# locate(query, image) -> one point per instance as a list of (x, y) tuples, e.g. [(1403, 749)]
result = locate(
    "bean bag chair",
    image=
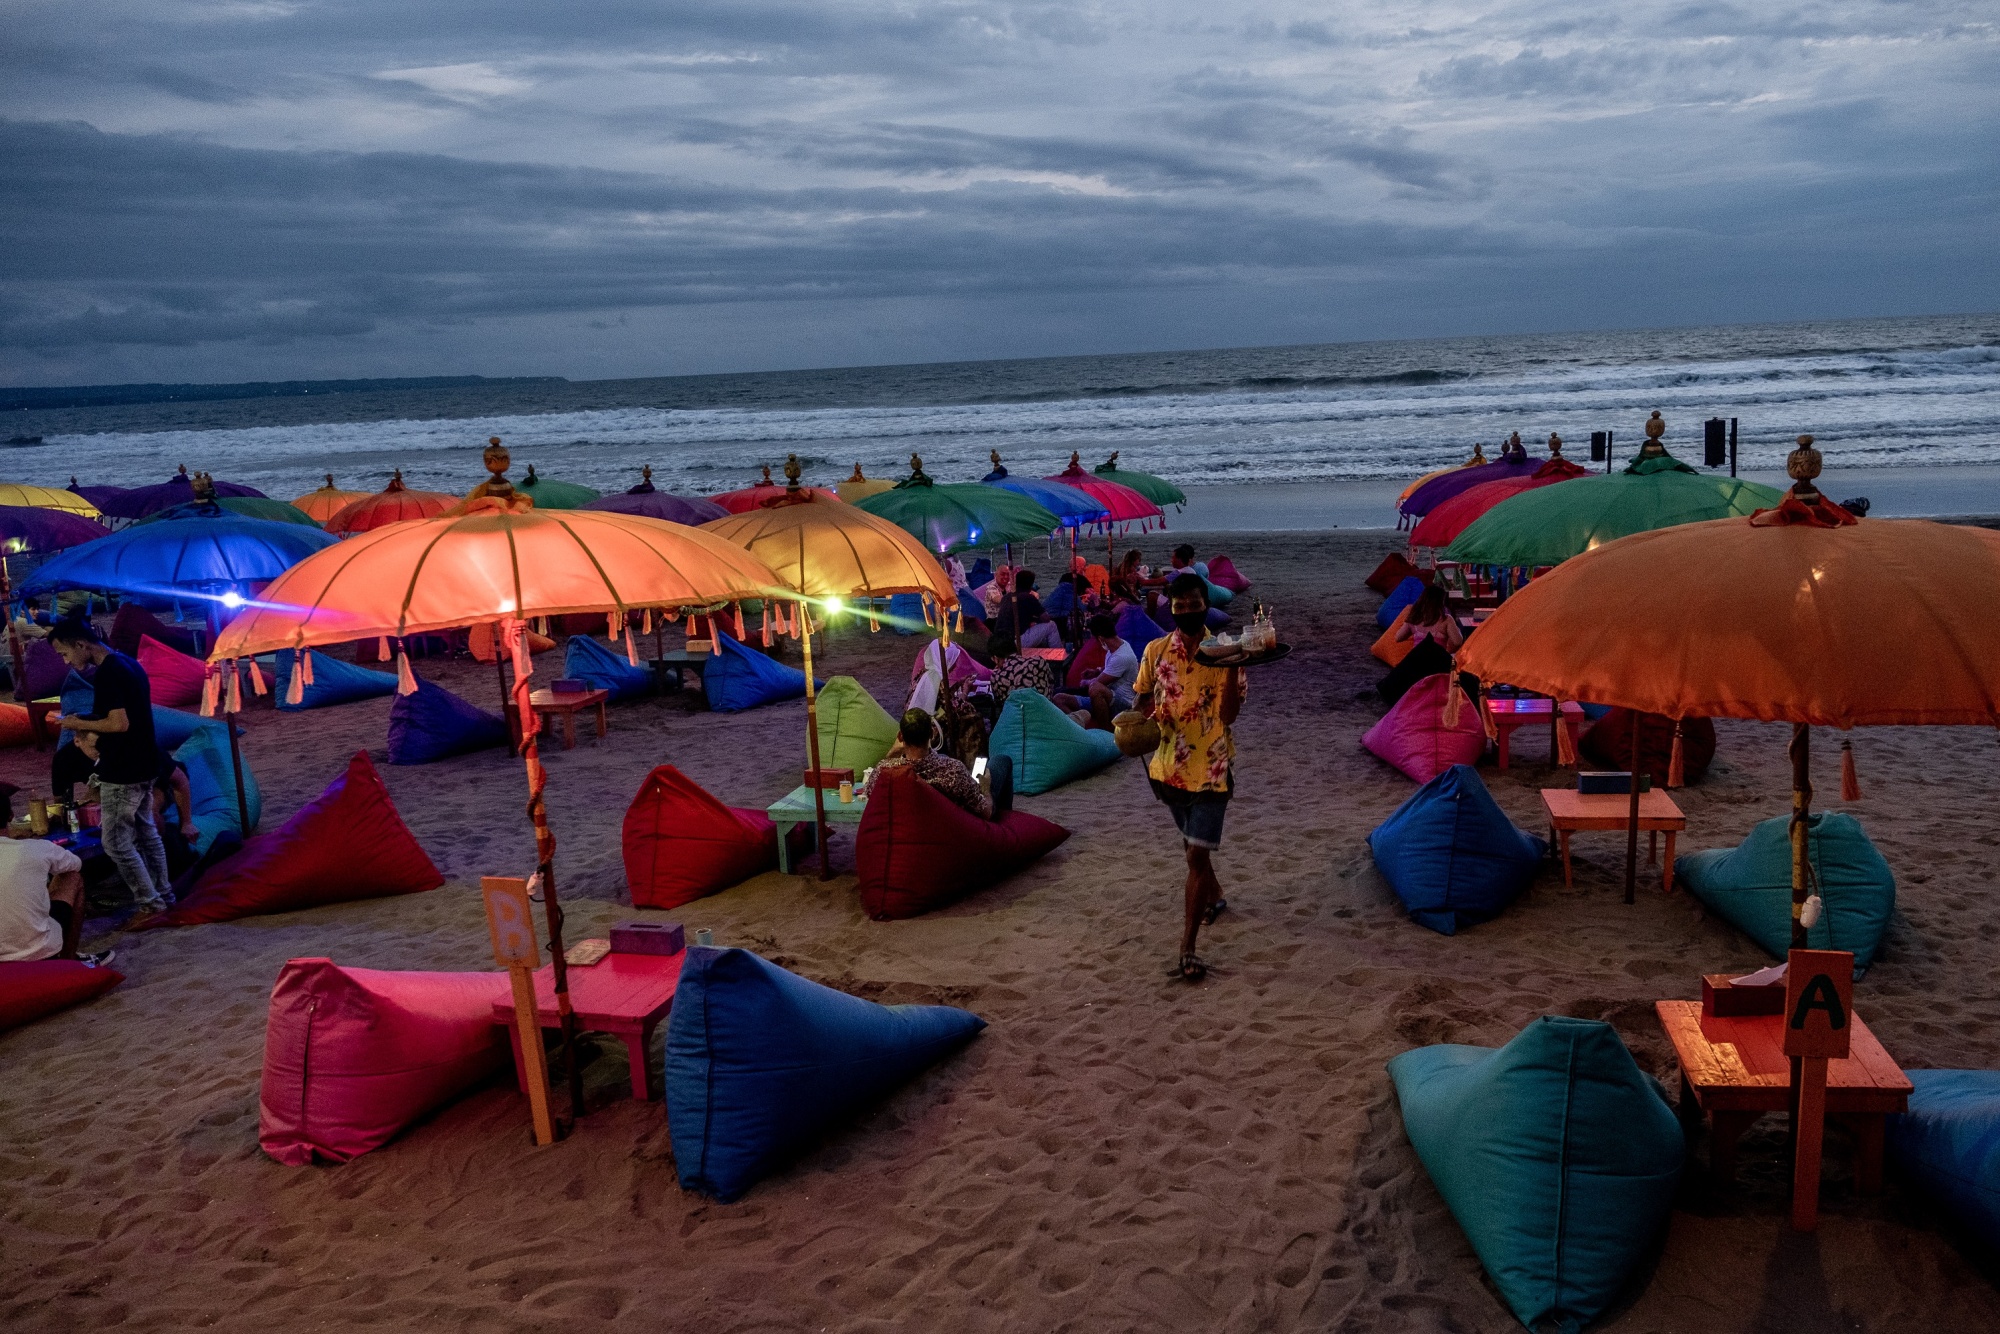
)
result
[(1750, 886), (1222, 570), (1402, 596), (30, 990), (681, 844), (353, 1055), (14, 727), (1452, 855), (1607, 743), (738, 677), (1557, 1155), (347, 843), (175, 678), (433, 724), (906, 613), (1387, 647), (333, 682), (78, 697), (761, 1062), (981, 573), (937, 663), (173, 727), (212, 786), (1060, 602), (1163, 617), (1393, 570), (1136, 628), (133, 623), (601, 669), (482, 642), (1089, 658), (916, 849), (854, 731), (1046, 745), (1413, 738), (1948, 1143), (42, 672)]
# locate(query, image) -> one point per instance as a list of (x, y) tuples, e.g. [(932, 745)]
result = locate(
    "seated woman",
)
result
[(915, 737), (1437, 638), (1021, 617), (1127, 581), (1013, 672), (1108, 690)]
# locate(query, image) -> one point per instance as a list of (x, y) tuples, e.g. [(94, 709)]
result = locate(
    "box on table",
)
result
[(1722, 997), (1607, 782), (653, 938), (569, 685), (829, 777)]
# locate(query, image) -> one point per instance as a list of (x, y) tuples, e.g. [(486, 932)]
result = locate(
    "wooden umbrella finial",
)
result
[(1478, 453), (1555, 445), (857, 473), (792, 471), (1656, 427), (767, 477), (204, 486), (1802, 465), (329, 481), (396, 481)]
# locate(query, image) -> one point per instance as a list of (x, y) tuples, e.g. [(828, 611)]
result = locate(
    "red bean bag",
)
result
[(347, 843), (917, 849), (175, 677), (353, 1055), (133, 623), (1607, 744), (681, 844), (30, 990), (1393, 570), (1412, 736), (14, 727), (1089, 658)]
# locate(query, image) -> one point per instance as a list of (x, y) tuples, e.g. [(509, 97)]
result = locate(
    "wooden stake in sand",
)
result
[(511, 923), (1819, 999)]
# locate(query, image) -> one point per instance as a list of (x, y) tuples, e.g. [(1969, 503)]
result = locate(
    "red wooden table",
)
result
[(1734, 1068), (1508, 714), (547, 703), (622, 994)]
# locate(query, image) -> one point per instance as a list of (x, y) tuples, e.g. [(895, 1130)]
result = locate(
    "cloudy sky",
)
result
[(262, 188)]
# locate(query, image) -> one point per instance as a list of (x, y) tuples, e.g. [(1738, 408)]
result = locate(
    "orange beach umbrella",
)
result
[(325, 502)]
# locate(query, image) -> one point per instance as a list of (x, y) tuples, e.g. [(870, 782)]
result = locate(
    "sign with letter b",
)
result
[(511, 921), (1819, 1003)]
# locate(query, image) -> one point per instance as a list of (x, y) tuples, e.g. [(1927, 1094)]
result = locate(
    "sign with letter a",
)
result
[(1819, 1003)]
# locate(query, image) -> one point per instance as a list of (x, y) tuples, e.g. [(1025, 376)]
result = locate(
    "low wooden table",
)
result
[(1735, 1069), (548, 704), (1570, 810), (678, 663), (1510, 713), (623, 994), (796, 808)]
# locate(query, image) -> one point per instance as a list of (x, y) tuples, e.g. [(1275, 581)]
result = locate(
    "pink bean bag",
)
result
[(175, 677), (917, 850), (1222, 570), (30, 990), (15, 730), (1412, 736), (681, 844), (353, 1055), (347, 843)]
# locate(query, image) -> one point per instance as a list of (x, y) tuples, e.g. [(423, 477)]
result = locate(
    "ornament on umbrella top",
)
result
[(1656, 427), (1802, 465), (1555, 445)]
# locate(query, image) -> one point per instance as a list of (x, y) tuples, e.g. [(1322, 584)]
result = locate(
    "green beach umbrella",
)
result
[(1550, 524), (1156, 489), (947, 518), (248, 507), (554, 495)]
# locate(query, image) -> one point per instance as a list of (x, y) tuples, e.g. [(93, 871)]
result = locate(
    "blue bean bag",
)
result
[(1557, 1155), (760, 1062), (1949, 1144), (212, 786), (588, 661), (1046, 745), (906, 614), (434, 724), (1402, 596), (738, 677), (1061, 601), (172, 727), (981, 573), (1164, 617), (1452, 855), (1136, 628), (1750, 885), (333, 682)]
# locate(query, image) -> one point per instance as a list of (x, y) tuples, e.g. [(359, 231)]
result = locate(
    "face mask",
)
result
[(1191, 622)]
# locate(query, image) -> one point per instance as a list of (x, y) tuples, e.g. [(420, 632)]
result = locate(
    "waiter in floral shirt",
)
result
[(1191, 771)]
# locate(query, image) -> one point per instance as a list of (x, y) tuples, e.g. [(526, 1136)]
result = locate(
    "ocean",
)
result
[(1907, 393)]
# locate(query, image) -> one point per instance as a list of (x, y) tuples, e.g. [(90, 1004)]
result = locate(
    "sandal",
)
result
[(1192, 969), (1215, 910)]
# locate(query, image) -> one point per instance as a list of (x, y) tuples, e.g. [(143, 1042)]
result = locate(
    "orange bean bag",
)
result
[(175, 677), (917, 849), (14, 729), (30, 990), (681, 844), (1390, 649), (483, 643), (347, 843)]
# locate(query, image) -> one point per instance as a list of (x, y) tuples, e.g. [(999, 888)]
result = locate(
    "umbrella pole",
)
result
[(812, 740), (236, 763), (1632, 829), (1802, 795), (506, 695)]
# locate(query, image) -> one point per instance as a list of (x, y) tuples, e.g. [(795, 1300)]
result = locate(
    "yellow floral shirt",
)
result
[(1195, 746)]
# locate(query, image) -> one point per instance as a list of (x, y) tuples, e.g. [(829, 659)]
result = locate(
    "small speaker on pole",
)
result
[(1714, 442), (1600, 447)]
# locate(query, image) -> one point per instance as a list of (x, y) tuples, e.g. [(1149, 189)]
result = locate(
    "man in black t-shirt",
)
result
[(121, 717)]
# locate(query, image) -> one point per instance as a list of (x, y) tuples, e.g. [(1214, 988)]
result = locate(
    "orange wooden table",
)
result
[(1570, 810), (1508, 714), (1734, 1068), (548, 704), (623, 994)]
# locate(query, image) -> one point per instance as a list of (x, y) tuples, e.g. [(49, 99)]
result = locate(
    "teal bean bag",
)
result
[(1046, 745), (212, 786), (1750, 885), (1557, 1155), (586, 660), (1949, 1144), (854, 731), (333, 682)]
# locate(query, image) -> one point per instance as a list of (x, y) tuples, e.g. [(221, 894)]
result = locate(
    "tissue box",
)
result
[(1601, 782), (1721, 997), (655, 938), (568, 685), (829, 777)]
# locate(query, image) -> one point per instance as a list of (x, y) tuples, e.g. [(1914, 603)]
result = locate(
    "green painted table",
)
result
[(796, 808)]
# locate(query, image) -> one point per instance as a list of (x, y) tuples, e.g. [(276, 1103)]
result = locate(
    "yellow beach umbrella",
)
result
[(858, 487), (327, 501), (46, 498)]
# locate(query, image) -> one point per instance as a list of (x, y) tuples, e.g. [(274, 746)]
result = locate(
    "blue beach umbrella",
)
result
[(1075, 508), (215, 555)]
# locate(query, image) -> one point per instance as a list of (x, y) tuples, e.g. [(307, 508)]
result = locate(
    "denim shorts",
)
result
[(1198, 815)]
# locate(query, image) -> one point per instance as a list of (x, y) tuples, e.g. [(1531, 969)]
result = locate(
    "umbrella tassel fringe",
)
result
[(382, 649), (295, 689), (406, 680), (306, 664), (1677, 763), (1454, 698), (235, 703), (257, 685), (211, 692), (1565, 743), (767, 623), (740, 636), (1850, 782), (631, 652)]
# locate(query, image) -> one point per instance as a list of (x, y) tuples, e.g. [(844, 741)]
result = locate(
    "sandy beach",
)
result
[(1117, 1151)]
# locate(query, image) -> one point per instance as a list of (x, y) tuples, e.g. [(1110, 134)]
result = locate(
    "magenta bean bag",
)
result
[(1222, 570), (353, 1055), (30, 990), (175, 677), (917, 849), (1412, 736), (681, 844)]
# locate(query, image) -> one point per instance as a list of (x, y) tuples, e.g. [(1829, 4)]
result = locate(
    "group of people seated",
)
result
[(1011, 606)]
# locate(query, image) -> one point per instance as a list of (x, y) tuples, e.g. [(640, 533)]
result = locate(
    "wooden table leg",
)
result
[(1724, 1129), (785, 829), (601, 722), (1867, 1128), (635, 1054), (1569, 881), (1502, 733), (569, 729), (1667, 874), (1652, 846)]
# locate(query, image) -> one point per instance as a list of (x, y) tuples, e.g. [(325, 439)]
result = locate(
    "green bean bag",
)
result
[(1046, 745), (1557, 1155), (1750, 885), (854, 731)]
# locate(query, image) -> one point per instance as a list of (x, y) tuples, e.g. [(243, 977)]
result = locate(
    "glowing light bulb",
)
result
[(506, 605), (232, 599)]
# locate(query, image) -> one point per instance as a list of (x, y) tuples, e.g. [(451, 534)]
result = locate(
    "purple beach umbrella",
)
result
[(1512, 463), (176, 490), (28, 529), (689, 510)]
